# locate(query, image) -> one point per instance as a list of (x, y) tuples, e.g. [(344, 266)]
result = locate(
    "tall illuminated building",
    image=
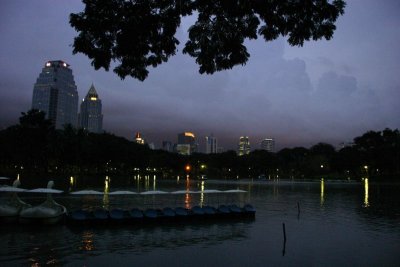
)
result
[(268, 144), (211, 145), (139, 139), (186, 143), (243, 146), (90, 117), (55, 93)]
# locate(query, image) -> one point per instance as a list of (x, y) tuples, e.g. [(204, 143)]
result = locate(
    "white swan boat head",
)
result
[(10, 209), (48, 212)]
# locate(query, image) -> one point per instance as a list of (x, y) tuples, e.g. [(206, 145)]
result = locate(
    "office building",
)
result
[(152, 146), (243, 146), (55, 93), (183, 149), (187, 138), (139, 139), (167, 146), (211, 145), (90, 117), (268, 144)]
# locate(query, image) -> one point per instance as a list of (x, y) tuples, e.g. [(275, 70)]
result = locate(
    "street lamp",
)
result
[(187, 168), (366, 169)]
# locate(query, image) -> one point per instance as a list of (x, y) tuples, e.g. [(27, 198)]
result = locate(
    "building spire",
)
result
[(92, 93)]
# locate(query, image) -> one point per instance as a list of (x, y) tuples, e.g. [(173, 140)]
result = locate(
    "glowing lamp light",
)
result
[(188, 168), (93, 98), (64, 64), (48, 64)]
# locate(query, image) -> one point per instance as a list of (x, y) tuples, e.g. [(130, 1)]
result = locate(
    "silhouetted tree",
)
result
[(224, 165), (138, 34), (27, 144), (293, 161), (348, 161), (261, 162), (320, 158), (379, 150), (390, 158), (35, 119)]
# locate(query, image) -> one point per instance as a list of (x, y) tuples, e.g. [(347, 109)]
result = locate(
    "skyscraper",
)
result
[(243, 146), (55, 93), (211, 145), (139, 138), (90, 117), (268, 144), (167, 146), (186, 143)]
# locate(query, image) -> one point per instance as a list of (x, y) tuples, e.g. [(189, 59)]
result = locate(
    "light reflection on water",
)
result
[(87, 241), (366, 202), (106, 200), (357, 222), (202, 194), (188, 197), (322, 192), (71, 184)]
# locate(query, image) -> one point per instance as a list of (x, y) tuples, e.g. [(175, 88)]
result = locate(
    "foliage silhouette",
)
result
[(141, 33)]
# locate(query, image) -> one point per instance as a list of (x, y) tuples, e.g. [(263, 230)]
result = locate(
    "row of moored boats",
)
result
[(50, 212)]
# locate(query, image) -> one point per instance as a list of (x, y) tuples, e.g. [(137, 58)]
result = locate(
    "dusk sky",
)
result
[(326, 91)]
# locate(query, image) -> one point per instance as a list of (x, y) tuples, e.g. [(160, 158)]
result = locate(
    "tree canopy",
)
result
[(137, 34)]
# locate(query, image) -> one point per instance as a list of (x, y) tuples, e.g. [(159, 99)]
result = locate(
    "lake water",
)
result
[(327, 224)]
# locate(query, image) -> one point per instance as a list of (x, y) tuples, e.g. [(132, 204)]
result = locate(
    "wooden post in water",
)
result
[(284, 232), (284, 239)]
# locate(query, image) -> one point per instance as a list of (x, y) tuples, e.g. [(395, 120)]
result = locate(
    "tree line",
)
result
[(34, 146)]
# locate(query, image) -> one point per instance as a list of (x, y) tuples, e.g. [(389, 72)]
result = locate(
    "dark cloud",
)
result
[(333, 87)]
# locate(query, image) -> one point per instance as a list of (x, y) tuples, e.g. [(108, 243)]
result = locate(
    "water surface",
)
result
[(327, 224)]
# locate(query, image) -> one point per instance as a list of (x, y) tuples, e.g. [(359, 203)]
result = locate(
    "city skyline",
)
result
[(326, 91)]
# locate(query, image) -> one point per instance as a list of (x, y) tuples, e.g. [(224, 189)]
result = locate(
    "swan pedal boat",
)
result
[(49, 212), (9, 211)]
